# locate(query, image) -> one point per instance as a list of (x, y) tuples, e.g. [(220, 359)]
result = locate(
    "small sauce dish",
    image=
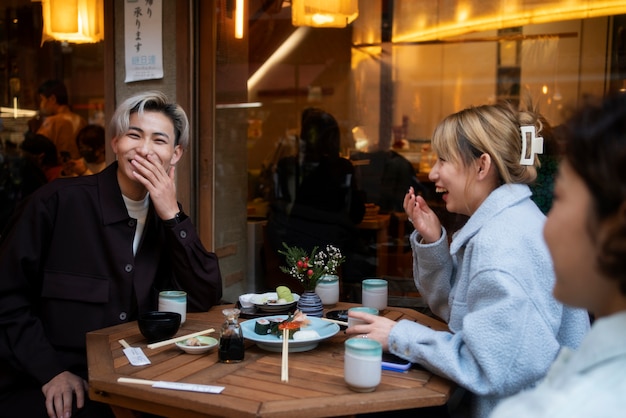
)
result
[(197, 345)]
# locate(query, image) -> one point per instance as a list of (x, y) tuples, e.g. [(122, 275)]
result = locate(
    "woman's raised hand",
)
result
[(424, 220)]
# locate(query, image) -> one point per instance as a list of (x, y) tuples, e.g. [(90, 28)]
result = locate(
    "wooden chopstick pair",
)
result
[(284, 367), (334, 321), (181, 338)]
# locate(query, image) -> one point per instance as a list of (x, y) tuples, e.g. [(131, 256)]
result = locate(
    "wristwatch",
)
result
[(178, 218)]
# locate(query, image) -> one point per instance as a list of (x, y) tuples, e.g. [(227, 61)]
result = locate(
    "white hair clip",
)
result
[(531, 145)]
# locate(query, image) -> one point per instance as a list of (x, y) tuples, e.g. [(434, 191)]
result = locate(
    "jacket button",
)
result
[(132, 223), (128, 268), (123, 316), (183, 234)]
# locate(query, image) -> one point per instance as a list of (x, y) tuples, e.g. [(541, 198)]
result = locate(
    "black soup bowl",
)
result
[(158, 326)]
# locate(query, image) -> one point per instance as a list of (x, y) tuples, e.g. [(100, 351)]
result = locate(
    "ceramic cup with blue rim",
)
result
[(174, 301), (354, 321), (362, 364), (374, 293), (327, 289)]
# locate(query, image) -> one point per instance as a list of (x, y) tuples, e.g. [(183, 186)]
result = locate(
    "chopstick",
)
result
[(177, 339), (135, 381), (123, 343), (284, 367), (334, 321)]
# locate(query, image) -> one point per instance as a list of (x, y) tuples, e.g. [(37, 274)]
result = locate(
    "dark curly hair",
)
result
[(596, 149)]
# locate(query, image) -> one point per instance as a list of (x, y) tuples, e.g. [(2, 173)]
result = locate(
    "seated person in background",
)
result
[(60, 124), (586, 234), (90, 142), (385, 176), (23, 171), (92, 252), (316, 201), (492, 284), (43, 153)]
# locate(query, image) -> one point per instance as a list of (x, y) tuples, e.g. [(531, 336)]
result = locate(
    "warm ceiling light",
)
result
[(74, 21), (239, 9), (324, 13), (494, 15)]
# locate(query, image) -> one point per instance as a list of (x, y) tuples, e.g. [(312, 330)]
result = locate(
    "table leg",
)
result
[(121, 412)]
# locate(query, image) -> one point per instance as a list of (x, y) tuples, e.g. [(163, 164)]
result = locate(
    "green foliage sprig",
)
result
[(309, 268)]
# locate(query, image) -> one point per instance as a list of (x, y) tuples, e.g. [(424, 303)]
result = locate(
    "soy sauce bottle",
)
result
[(231, 349)]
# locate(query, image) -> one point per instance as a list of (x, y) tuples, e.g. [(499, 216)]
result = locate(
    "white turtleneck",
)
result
[(138, 209)]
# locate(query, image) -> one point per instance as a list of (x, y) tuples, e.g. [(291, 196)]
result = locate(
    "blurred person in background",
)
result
[(90, 142), (24, 170), (316, 201), (59, 124)]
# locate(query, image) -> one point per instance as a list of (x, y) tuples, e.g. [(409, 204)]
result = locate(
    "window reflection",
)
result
[(387, 96)]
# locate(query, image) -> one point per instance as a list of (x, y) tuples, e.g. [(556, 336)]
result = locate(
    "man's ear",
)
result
[(178, 153), (114, 144)]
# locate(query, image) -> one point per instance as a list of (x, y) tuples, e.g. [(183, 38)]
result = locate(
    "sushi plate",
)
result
[(270, 342)]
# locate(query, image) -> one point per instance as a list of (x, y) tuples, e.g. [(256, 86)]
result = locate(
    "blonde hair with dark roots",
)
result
[(151, 101), (492, 129)]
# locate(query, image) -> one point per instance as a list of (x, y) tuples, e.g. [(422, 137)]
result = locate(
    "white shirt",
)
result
[(138, 209), (589, 382)]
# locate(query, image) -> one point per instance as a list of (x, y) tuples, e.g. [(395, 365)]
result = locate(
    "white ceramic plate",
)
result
[(325, 330), (207, 344), (263, 301)]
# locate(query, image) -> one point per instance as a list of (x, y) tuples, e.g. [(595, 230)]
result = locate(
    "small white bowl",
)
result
[(246, 300), (207, 344)]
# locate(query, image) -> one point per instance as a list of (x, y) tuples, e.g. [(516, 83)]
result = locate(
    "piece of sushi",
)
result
[(291, 326), (262, 326), (306, 335)]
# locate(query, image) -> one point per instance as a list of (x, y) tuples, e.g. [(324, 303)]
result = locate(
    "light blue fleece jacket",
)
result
[(493, 285)]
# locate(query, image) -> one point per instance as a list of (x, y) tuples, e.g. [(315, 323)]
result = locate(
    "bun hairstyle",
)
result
[(492, 129), (595, 147)]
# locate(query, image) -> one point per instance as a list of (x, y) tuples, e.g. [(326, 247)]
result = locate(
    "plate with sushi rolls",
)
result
[(305, 333)]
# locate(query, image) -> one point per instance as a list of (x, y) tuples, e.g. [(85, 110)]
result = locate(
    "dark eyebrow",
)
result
[(142, 131)]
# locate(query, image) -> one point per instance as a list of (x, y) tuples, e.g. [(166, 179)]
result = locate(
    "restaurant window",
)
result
[(387, 92), (26, 62)]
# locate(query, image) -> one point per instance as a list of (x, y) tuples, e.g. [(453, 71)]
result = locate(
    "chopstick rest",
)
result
[(181, 338), (135, 355), (159, 384)]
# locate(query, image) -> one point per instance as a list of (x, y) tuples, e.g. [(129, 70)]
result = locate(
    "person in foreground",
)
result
[(492, 283), (586, 234), (94, 251)]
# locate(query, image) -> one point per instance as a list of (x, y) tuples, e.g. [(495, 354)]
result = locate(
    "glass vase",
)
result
[(311, 304)]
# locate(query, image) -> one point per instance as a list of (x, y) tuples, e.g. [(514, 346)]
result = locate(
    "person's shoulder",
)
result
[(345, 163), (506, 226), (65, 185)]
